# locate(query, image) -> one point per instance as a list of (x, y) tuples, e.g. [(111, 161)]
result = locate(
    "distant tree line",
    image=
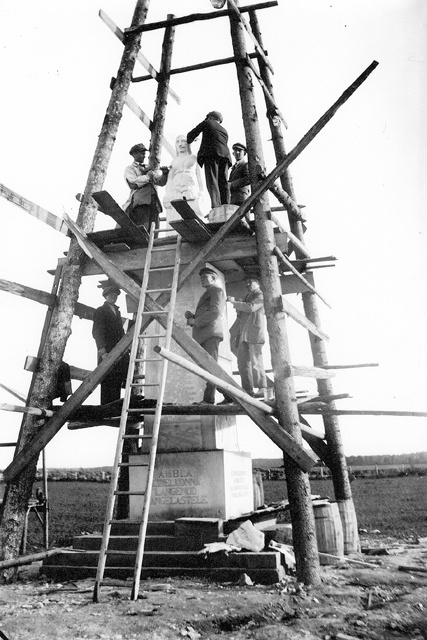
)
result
[(79, 475), (356, 461), (359, 466), (396, 459)]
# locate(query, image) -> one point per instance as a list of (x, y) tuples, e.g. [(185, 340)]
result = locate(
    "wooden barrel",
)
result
[(349, 526), (329, 532)]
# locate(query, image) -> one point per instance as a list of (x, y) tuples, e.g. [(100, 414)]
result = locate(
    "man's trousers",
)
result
[(251, 366), (216, 174)]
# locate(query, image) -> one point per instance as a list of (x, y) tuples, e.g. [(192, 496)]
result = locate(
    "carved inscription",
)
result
[(239, 484), (177, 486)]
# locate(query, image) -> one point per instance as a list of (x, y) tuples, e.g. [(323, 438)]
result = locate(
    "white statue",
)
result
[(184, 180)]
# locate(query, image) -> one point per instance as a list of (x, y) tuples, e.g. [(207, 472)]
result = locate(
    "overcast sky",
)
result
[(363, 181)]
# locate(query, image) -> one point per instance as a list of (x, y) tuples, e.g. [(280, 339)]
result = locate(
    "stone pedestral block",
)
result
[(182, 387), (199, 471), (195, 484), (222, 213), (190, 433), (206, 527)]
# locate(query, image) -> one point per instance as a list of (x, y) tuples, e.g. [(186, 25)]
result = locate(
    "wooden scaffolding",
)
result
[(283, 425)]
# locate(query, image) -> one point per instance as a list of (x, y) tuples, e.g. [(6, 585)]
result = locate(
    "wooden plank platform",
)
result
[(191, 228), (116, 240), (109, 206), (234, 254), (194, 229)]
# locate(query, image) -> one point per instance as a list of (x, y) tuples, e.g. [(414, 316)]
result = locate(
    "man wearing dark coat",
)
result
[(108, 331), (239, 175), (249, 337), (214, 156), (207, 324)]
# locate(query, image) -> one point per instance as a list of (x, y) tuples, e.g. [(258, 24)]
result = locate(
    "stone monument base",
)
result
[(222, 213), (198, 484)]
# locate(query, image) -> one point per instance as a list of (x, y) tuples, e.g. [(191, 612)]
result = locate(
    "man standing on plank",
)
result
[(249, 332), (239, 175), (214, 155), (108, 331), (207, 325)]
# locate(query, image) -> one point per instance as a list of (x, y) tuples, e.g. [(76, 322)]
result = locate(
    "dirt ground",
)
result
[(354, 601)]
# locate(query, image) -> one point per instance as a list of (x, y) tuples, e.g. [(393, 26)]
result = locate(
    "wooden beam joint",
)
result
[(195, 17)]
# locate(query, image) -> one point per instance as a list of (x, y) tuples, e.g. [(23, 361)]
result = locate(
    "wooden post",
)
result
[(46, 505), (47, 322), (162, 96), (18, 492), (307, 561), (336, 458)]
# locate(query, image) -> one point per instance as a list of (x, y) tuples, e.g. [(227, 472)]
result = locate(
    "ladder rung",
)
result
[(144, 384), (158, 290), (161, 269), (129, 493), (138, 411), (131, 436), (124, 521), (133, 464), (154, 313), (152, 335), (116, 552)]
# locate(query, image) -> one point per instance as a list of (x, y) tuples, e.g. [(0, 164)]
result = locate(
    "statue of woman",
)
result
[(184, 180)]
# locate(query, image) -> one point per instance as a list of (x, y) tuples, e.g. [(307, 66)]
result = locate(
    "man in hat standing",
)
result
[(108, 331), (214, 155), (143, 204), (239, 176), (207, 324), (249, 332)]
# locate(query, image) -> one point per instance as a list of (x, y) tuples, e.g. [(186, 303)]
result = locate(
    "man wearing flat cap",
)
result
[(207, 324), (249, 337), (143, 204), (239, 175), (214, 156), (108, 331)]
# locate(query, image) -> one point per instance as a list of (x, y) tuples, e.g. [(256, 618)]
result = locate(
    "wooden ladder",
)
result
[(139, 346)]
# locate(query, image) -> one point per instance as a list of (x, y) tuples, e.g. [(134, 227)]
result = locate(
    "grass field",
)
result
[(395, 506)]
